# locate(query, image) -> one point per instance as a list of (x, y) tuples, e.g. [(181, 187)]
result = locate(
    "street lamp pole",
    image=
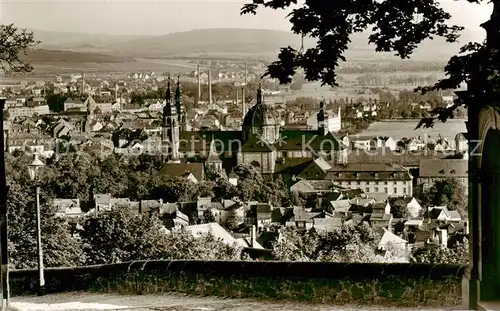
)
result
[(33, 170), (4, 252), (39, 243)]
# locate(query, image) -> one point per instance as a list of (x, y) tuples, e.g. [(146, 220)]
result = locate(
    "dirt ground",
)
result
[(170, 302)]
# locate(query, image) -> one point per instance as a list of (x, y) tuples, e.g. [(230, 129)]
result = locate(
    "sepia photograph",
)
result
[(263, 155)]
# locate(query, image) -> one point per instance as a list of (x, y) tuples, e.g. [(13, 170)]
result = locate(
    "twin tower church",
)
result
[(260, 143)]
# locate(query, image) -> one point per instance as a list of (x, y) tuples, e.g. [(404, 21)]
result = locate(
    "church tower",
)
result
[(261, 121), (321, 119), (213, 161), (179, 108), (170, 135)]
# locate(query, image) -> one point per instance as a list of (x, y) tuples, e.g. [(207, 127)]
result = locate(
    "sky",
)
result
[(166, 16)]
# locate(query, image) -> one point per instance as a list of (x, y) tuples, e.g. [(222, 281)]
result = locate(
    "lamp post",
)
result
[(4, 251), (33, 171)]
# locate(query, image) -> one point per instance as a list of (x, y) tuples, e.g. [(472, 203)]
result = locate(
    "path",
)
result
[(168, 302)]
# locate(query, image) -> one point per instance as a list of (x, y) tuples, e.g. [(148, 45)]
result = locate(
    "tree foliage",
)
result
[(107, 237), (449, 192), (394, 26), (60, 247), (121, 235), (15, 42), (457, 254), (347, 244)]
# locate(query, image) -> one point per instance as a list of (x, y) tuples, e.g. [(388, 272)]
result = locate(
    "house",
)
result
[(314, 186), (67, 208), (362, 142), (263, 214), (341, 208), (194, 172), (415, 144), (413, 224), (74, 104), (432, 170), (392, 179), (171, 210), (251, 241), (303, 219), (381, 208), (394, 244), (102, 202), (410, 203), (213, 229), (327, 224), (233, 209), (442, 214), (380, 219), (377, 196), (384, 142)]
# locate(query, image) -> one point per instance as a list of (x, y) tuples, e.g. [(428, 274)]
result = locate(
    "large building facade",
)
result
[(261, 142)]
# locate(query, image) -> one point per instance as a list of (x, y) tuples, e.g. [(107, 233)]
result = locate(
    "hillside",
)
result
[(209, 41), (55, 56), (261, 43), (51, 40)]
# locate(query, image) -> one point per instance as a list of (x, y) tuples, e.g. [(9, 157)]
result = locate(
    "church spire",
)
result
[(321, 118), (167, 110), (178, 106), (259, 94)]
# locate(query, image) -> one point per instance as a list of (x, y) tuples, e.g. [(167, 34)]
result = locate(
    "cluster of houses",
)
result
[(401, 221), (273, 138)]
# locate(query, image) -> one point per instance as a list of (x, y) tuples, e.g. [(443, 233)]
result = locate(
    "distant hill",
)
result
[(261, 43), (52, 40), (209, 41), (55, 56), (219, 43)]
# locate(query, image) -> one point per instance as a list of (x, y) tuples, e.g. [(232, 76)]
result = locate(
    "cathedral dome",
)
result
[(260, 115)]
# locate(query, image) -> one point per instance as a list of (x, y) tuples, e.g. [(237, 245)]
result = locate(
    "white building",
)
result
[(392, 179), (332, 122)]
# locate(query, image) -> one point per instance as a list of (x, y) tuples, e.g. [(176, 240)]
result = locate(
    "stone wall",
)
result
[(398, 284)]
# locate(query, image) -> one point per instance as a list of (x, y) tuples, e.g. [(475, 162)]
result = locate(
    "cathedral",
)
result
[(261, 142)]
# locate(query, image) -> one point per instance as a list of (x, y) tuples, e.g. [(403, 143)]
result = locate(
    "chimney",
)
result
[(198, 73), (116, 92), (83, 83), (243, 101), (209, 87), (253, 237), (246, 73)]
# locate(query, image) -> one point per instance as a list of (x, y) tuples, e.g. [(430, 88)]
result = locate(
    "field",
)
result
[(400, 129), (348, 87)]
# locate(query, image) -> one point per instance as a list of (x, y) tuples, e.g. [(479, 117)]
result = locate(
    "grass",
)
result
[(393, 291)]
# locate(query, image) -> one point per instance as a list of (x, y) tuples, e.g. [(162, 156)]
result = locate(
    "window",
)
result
[(404, 190), (385, 182), (395, 190), (367, 189), (376, 189), (386, 190)]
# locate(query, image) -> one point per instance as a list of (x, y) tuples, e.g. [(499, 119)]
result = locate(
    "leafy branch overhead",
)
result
[(14, 43), (396, 26)]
